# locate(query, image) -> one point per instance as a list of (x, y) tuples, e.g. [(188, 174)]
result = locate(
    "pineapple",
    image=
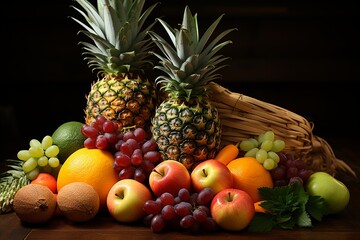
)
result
[(186, 125), (10, 182), (120, 53)]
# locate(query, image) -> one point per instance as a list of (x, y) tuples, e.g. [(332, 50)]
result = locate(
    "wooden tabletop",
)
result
[(345, 225)]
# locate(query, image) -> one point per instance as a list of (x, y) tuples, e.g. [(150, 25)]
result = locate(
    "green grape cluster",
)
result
[(40, 157), (264, 148)]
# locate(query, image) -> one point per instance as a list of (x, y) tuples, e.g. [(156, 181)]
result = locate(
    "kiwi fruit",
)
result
[(34, 203), (78, 201)]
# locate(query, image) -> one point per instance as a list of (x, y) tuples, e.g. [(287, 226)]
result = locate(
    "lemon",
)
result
[(68, 138)]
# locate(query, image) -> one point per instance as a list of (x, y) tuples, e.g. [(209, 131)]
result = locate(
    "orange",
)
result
[(47, 180), (92, 166), (249, 175)]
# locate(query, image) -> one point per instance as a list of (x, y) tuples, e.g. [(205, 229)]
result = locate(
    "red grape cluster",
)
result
[(290, 170), (186, 211), (101, 134), (134, 155)]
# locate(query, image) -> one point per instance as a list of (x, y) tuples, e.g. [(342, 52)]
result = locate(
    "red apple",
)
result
[(213, 174), (232, 209), (126, 199), (169, 176)]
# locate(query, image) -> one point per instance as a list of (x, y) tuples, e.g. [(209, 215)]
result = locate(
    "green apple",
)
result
[(335, 193)]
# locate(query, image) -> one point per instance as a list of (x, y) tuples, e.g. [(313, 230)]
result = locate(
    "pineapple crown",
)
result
[(116, 30), (190, 64)]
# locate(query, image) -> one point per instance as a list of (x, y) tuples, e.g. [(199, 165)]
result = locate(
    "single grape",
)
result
[(261, 155), (127, 173), (274, 156), (33, 174), (126, 148), (205, 208), (52, 151), (184, 194), (139, 175), (177, 200), (35, 143), (54, 162), (304, 174), (29, 165), (134, 144), (252, 153), (282, 157), (109, 126), (278, 173), (36, 151), (254, 141), (136, 157), (193, 198), (100, 120), (260, 138), (266, 145), (122, 160), (205, 196), (149, 145), (187, 221), (157, 224), (168, 212), (101, 142), (278, 145), (89, 131), (139, 134), (246, 145), (152, 207), (43, 161), (119, 143), (147, 166), (152, 156), (111, 137), (23, 155), (46, 142), (200, 215), (269, 164), (128, 135), (90, 143), (183, 208), (268, 136), (167, 198)]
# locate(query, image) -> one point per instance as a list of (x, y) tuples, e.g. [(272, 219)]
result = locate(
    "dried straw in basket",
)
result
[(244, 117)]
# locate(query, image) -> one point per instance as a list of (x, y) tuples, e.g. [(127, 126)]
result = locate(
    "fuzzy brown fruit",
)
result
[(78, 201), (34, 203)]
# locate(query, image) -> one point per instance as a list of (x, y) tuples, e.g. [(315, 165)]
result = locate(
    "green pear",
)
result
[(335, 193)]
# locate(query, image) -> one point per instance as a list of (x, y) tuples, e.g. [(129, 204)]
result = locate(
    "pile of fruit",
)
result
[(154, 155)]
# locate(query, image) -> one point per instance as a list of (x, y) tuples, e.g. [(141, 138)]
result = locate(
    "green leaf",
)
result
[(316, 207), (304, 220), (261, 222)]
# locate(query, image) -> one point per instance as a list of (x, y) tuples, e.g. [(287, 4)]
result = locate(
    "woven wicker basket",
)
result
[(244, 117)]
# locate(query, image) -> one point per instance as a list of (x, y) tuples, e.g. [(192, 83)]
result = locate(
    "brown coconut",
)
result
[(78, 201), (34, 203)]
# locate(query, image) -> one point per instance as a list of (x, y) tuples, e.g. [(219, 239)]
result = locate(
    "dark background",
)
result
[(300, 55)]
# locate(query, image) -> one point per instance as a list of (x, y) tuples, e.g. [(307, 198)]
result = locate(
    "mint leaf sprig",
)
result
[(287, 207)]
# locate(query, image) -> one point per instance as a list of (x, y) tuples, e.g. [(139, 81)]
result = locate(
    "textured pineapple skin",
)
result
[(125, 100), (188, 132)]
